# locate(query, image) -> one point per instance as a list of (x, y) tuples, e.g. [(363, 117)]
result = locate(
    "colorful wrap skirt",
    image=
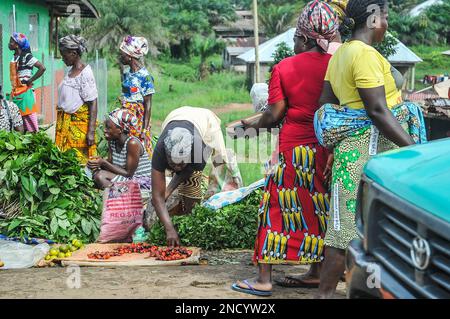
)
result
[(355, 140), (71, 132), (137, 108), (26, 103), (294, 210)]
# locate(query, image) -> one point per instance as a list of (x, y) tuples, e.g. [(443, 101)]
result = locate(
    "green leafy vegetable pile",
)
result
[(56, 198), (233, 226)]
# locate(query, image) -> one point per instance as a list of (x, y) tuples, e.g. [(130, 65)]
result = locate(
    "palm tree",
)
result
[(279, 15), (123, 17), (206, 47)]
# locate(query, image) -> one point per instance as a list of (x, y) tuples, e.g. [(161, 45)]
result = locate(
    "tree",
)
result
[(429, 28), (188, 18), (282, 52), (440, 15), (242, 4), (206, 47), (387, 47), (125, 17), (278, 16), (401, 6)]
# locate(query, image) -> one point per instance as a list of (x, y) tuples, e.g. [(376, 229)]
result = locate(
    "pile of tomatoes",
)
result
[(165, 254)]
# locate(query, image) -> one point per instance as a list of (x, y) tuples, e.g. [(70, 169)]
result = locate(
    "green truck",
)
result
[(403, 221)]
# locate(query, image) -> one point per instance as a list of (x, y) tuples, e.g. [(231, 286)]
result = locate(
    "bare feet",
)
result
[(303, 279), (310, 279)]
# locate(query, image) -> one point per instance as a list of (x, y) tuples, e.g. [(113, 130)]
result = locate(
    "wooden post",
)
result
[(256, 34), (57, 37), (413, 78), (52, 25), (14, 19), (43, 88)]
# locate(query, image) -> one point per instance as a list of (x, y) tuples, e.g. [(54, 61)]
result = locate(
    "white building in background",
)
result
[(403, 60)]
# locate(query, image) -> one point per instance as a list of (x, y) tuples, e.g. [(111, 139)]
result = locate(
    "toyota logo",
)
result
[(420, 253)]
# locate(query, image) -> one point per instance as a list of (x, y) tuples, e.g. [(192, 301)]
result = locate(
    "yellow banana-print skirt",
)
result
[(294, 210), (71, 131)]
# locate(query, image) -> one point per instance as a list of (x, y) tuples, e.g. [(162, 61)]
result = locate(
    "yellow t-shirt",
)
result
[(358, 65)]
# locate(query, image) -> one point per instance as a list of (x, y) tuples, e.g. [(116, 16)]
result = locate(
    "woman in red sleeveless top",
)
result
[(293, 213)]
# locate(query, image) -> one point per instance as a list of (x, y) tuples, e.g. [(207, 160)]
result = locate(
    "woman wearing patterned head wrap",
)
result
[(137, 87), (21, 69), (339, 7), (77, 101), (128, 159), (362, 114), (293, 213)]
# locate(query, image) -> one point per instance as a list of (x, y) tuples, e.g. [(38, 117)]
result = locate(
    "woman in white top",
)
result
[(77, 102)]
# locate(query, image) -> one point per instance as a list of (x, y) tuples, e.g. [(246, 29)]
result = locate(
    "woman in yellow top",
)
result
[(362, 114)]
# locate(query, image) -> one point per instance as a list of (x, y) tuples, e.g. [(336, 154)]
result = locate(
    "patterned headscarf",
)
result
[(123, 119), (73, 42), (178, 144), (339, 6), (21, 40), (135, 47), (318, 21)]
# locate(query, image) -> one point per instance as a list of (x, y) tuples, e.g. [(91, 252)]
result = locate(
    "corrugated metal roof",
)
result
[(266, 50), (237, 50), (404, 55), (60, 8)]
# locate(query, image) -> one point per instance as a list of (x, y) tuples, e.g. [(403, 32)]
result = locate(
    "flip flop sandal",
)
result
[(295, 283), (250, 290)]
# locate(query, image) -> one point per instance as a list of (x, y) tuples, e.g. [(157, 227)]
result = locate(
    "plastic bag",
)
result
[(17, 255), (140, 235), (122, 212), (259, 94)]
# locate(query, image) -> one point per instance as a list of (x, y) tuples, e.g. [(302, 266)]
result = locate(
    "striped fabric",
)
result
[(25, 64), (30, 122), (192, 187), (120, 159)]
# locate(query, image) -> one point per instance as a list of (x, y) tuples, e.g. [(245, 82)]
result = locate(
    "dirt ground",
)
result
[(212, 281)]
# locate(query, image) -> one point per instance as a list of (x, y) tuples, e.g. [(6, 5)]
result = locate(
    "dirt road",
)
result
[(203, 281)]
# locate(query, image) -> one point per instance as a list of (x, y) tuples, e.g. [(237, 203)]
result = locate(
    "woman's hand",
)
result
[(90, 138), (95, 163), (249, 129), (327, 172), (247, 124), (173, 240)]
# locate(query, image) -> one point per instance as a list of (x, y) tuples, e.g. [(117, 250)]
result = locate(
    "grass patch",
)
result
[(434, 63)]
